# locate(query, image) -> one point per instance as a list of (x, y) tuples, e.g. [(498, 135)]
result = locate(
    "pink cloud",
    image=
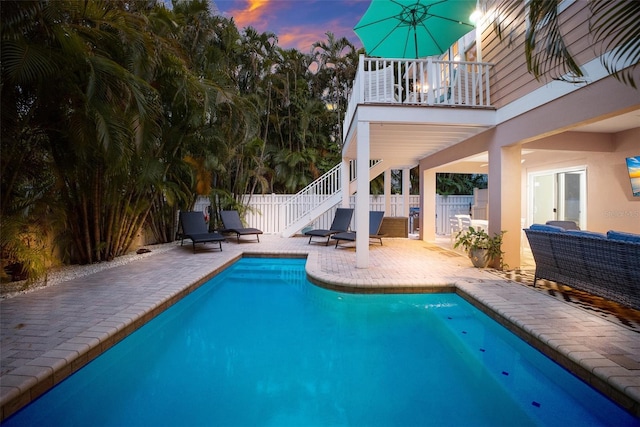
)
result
[(304, 36), (256, 13), (298, 24)]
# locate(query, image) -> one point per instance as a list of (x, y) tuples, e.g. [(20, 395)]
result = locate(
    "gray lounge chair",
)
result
[(232, 224), (194, 228), (375, 222), (340, 223)]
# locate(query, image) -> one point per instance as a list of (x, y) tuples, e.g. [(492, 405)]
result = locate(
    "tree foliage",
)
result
[(459, 183), (115, 114)]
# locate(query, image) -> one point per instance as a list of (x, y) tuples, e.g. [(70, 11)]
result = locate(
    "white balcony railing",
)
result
[(419, 82)]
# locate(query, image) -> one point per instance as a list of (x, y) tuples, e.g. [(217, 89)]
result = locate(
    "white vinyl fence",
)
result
[(264, 211)]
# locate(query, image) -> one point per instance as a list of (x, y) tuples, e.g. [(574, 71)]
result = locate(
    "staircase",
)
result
[(318, 197)]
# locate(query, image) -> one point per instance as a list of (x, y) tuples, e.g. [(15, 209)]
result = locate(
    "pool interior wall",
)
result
[(469, 342)]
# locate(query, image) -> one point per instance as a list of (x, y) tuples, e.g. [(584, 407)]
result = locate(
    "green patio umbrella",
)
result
[(413, 28)]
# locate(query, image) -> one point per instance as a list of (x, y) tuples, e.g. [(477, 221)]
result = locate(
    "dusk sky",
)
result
[(297, 23)]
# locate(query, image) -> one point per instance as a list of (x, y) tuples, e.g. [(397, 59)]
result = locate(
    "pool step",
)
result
[(267, 275)]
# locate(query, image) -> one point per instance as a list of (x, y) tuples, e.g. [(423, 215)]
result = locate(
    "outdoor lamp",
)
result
[(418, 86), (475, 16)]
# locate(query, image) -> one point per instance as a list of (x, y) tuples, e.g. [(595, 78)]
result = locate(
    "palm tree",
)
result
[(336, 70), (94, 98), (614, 26)]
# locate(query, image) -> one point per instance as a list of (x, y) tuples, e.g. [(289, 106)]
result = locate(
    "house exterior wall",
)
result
[(613, 206), (510, 79), (610, 205)]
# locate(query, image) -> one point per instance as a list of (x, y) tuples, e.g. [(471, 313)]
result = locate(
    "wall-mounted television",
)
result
[(633, 164)]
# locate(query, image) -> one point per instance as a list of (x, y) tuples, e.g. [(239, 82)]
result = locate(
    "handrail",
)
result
[(304, 202), (312, 195)]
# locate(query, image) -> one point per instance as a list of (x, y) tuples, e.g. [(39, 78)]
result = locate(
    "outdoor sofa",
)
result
[(607, 265)]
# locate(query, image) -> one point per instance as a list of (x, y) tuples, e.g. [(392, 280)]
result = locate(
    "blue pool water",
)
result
[(260, 345)]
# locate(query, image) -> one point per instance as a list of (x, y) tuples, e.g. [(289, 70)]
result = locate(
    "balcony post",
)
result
[(387, 192), (344, 181), (362, 196), (405, 192), (360, 79), (431, 73)]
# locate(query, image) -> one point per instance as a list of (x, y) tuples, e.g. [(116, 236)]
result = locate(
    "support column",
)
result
[(505, 204), (387, 192), (362, 196), (427, 205), (345, 179), (406, 190)]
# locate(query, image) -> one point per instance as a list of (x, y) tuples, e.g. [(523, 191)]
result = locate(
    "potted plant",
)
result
[(481, 248)]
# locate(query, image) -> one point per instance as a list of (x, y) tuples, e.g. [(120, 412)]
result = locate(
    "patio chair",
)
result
[(375, 222), (194, 228), (232, 224), (380, 86), (454, 225), (340, 223), (465, 221)]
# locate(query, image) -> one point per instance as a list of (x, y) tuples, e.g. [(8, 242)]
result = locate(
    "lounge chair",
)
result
[(194, 228), (232, 224), (340, 223), (375, 222)]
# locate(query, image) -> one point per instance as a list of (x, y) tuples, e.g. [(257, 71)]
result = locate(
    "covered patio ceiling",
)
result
[(402, 144), (402, 136), (615, 124)]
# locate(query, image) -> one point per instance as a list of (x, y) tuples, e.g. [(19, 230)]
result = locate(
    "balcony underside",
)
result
[(401, 135)]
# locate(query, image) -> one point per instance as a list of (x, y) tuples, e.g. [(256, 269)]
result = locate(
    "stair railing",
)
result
[(312, 195)]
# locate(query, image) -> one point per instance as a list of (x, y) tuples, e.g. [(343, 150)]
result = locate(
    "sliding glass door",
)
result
[(558, 195)]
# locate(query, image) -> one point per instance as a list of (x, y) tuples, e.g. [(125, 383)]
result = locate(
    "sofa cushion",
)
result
[(622, 236), (548, 228), (567, 225), (587, 233)]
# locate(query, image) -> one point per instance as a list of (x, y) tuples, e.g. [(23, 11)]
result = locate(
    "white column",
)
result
[(405, 198), (362, 196), (427, 205), (405, 192), (505, 199), (387, 192), (344, 180)]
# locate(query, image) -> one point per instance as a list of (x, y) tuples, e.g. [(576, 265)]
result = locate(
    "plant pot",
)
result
[(479, 257)]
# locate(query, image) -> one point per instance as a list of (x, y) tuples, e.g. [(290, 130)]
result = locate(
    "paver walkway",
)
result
[(48, 334)]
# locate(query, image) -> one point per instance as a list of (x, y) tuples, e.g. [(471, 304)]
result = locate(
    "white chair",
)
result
[(454, 226), (465, 221), (380, 86)]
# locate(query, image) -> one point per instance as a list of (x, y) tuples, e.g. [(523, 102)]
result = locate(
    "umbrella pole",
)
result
[(415, 40)]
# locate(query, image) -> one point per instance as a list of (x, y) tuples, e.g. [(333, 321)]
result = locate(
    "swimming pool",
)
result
[(259, 345)]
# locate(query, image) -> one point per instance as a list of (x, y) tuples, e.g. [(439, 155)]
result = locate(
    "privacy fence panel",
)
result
[(264, 210), (448, 206)]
